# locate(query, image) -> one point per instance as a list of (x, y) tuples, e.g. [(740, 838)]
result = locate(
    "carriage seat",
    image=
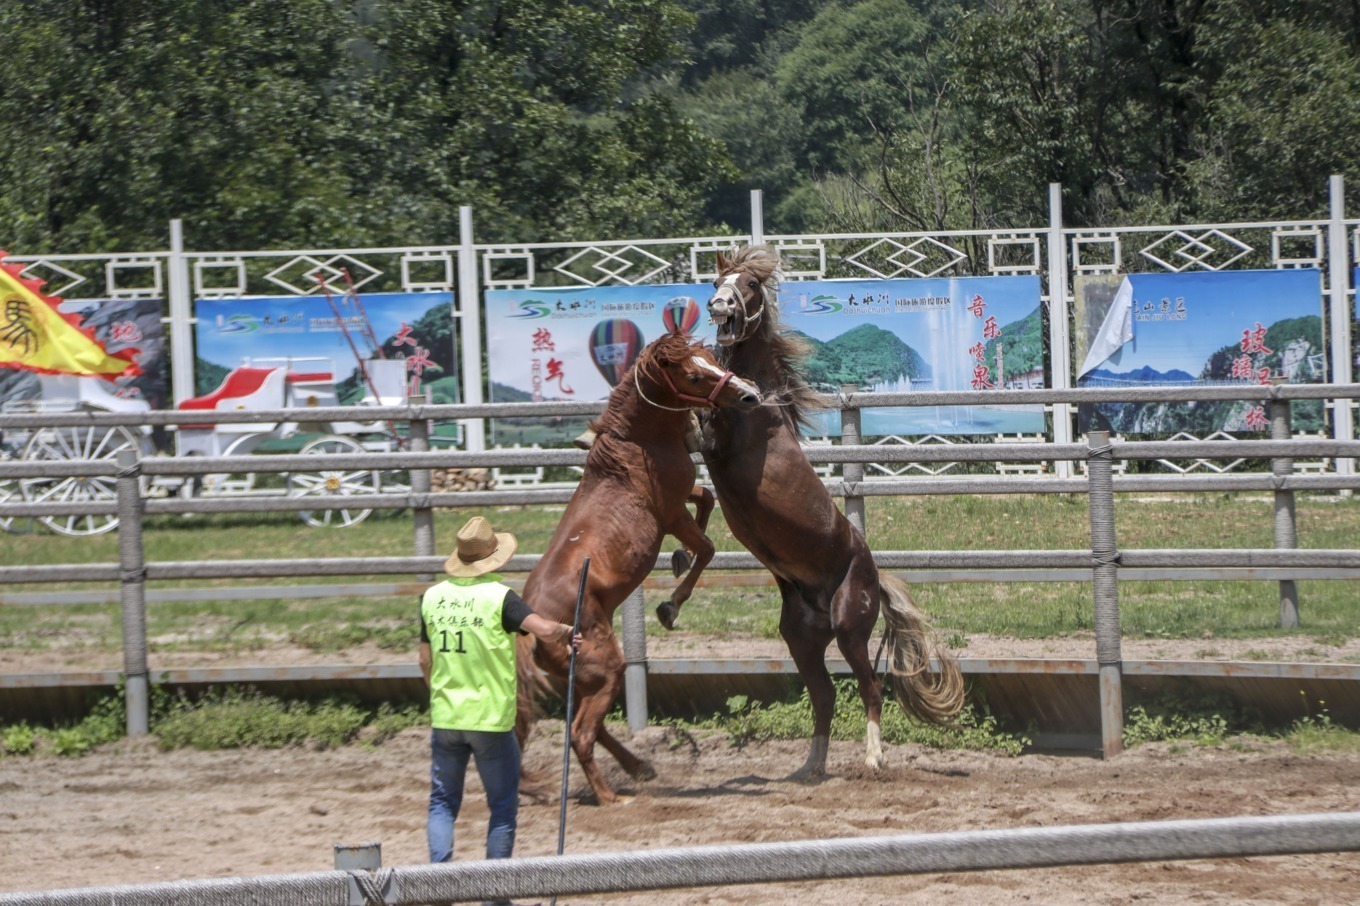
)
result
[(310, 377), (243, 388)]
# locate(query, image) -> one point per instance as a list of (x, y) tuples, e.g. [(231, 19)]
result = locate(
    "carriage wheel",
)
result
[(83, 442), (333, 482), (226, 484), (8, 491)]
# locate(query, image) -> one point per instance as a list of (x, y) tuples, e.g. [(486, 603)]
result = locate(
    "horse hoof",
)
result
[(877, 762), (680, 563), (666, 613), (536, 794), (644, 771), (808, 774)]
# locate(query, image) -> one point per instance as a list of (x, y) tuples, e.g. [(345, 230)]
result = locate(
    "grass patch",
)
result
[(235, 718), (748, 721), (226, 718), (1182, 717), (1151, 609)]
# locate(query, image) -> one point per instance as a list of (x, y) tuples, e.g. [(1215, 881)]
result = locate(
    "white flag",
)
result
[(1115, 331)]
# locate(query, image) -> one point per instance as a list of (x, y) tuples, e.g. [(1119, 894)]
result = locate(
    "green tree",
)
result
[(1281, 121), (125, 115), (307, 122), (872, 83)]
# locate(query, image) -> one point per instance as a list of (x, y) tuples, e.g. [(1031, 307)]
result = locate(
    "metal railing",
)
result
[(752, 863), (1104, 559)]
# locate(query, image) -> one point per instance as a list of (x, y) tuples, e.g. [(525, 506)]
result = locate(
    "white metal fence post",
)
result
[(181, 317), (1338, 278), (469, 302), (757, 217), (1060, 355)]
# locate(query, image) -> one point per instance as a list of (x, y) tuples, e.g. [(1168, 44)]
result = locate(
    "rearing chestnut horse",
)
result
[(777, 506), (638, 479)]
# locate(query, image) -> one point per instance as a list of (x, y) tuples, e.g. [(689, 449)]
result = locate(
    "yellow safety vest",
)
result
[(472, 675)]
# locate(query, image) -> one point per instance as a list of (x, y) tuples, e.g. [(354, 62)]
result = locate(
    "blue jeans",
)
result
[(498, 759)]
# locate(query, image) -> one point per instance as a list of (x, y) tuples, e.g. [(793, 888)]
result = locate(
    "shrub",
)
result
[(235, 718), (748, 721)]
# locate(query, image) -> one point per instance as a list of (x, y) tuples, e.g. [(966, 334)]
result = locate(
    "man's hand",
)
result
[(564, 633)]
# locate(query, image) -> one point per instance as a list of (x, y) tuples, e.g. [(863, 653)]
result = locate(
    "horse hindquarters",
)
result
[(600, 669), (911, 643)]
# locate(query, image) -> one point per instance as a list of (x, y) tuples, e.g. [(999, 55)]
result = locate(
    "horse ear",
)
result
[(723, 262)]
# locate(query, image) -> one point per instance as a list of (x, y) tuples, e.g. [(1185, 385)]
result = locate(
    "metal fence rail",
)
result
[(1104, 559), (758, 863)]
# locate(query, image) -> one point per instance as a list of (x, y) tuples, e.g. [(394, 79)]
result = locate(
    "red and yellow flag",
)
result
[(35, 336)]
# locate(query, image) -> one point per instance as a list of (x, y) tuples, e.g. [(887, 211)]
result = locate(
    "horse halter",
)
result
[(749, 321), (708, 402)]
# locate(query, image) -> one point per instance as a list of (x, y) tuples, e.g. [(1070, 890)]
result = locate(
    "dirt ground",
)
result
[(681, 644), (132, 813)]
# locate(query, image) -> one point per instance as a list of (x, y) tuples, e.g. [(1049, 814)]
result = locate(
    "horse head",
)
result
[(686, 375), (746, 284)]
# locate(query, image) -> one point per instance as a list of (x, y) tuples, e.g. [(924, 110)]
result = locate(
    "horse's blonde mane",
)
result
[(786, 352)]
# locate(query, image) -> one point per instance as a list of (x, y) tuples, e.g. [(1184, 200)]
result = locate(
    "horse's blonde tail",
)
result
[(934, 697)]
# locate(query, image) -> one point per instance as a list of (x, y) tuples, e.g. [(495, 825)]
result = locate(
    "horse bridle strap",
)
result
[(708, 402)]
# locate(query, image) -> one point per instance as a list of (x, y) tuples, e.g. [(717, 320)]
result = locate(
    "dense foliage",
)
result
[(289, 122)]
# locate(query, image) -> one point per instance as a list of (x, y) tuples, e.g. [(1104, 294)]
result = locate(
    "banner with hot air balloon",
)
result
[(576, 344), (966, 333)]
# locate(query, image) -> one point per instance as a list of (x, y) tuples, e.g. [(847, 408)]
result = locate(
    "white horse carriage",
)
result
[(259, 384)]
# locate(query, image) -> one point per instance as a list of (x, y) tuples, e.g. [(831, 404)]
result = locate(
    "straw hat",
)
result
[(480, 550)]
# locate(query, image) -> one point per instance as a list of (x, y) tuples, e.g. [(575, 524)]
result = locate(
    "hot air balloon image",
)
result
[(680, 314), (614, 345)]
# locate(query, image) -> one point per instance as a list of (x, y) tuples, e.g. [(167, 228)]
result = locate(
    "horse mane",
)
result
[(780, 372), (607, 452)]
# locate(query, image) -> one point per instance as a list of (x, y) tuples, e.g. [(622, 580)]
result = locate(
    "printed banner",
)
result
[(929, 334), (575, 344), (1198, 329), (305, 333), (124, 327)]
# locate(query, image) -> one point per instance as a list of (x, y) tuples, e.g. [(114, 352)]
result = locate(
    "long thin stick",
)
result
[(571, 688)]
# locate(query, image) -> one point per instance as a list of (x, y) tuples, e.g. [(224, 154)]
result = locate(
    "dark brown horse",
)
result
[(779, 509), (638, 479)]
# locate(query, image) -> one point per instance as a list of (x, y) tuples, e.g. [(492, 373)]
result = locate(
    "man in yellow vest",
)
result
[(468, 625)]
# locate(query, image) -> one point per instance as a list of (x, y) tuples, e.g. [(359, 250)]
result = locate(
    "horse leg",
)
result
[(702, 498), (854, 611), (637, 768), (692, 536), (807, 634), (613, 668), (585, 730)]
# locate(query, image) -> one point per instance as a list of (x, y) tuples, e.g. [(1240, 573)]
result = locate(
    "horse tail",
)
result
[(532, 687), (932, 697)]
